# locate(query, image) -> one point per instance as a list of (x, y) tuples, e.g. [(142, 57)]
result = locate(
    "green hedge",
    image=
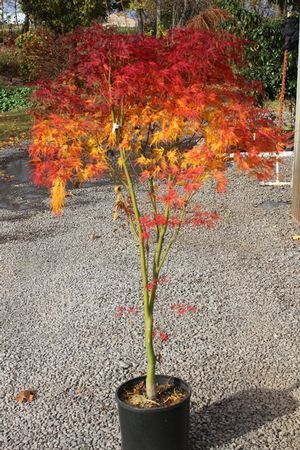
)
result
[(264, 53)]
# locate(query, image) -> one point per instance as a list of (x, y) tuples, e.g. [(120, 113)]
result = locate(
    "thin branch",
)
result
[(153, 203), (175, 235), (145, 145), (172, 240), (139, 228)]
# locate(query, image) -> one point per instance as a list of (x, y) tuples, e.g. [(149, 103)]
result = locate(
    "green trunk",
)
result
[(148, 306), (151, 360)]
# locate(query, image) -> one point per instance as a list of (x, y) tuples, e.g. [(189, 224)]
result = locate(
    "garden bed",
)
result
[(63, 280)]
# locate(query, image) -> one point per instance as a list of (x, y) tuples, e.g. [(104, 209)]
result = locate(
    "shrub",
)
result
[(42, 54), (264, 54), (209, 19), (14, 99), (9, 62), (9, 32)]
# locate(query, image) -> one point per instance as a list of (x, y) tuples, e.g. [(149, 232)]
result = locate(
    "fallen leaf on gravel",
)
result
[(25, 396), (94, 236), (78, 392), (296, 237)]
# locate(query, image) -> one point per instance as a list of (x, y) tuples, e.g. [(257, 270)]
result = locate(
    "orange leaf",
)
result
[(58, 196), (25, 396)]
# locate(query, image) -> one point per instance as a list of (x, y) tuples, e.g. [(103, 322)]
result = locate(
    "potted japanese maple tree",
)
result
[(165, 114)]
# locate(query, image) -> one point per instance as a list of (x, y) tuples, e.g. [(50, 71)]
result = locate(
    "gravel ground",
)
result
[(60, 289)]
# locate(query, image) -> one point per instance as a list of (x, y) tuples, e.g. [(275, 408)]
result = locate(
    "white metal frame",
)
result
[(277, 181)]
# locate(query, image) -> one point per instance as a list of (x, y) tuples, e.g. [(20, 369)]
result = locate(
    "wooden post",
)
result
[(296, 166)]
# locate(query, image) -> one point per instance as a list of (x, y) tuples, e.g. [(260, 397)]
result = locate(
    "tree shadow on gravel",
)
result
[(221, 422)]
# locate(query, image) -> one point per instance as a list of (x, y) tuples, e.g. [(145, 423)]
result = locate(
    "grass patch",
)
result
[(14, 127)]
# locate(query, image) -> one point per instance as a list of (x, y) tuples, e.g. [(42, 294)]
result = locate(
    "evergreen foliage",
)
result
[(264, 53)]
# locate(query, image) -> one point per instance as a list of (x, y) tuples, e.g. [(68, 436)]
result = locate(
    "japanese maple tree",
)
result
[(163, 113)]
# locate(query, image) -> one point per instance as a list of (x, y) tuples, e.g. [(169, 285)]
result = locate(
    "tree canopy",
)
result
[(63, 16)]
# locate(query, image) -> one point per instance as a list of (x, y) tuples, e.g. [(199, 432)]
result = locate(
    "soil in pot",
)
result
[(168, 394)]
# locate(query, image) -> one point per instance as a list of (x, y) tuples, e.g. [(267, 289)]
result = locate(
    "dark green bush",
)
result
[(264, 53), (14, 98)]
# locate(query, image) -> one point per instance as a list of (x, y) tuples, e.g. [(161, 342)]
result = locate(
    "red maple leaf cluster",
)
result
[(153, 92), (181, 309), (163, 336), (123, 311)]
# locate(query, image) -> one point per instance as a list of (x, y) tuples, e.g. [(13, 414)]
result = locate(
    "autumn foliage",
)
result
[(166, 113)]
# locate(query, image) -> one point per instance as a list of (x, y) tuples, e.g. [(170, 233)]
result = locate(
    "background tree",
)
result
[(184, 10), (264, 53), (119, 5), (63, 16), (164, 14)]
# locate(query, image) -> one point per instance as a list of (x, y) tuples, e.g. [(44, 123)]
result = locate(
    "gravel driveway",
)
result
[(62, 280)]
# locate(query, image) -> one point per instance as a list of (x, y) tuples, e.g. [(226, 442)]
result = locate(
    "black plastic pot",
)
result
[(164, 428)]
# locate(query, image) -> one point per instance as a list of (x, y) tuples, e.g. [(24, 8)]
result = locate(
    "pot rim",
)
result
[(125, 405)]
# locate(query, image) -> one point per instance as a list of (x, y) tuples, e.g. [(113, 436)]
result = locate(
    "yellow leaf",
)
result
[(58, 194), (143, 161), (172, 156)]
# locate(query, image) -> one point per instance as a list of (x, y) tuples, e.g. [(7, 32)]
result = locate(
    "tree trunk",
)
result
[(151, 359), (2, 18), (16, 12), (182, 17), (174, 15), (107, 8), (296, 165), (26, 24), (141, 20), (158, 18)]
